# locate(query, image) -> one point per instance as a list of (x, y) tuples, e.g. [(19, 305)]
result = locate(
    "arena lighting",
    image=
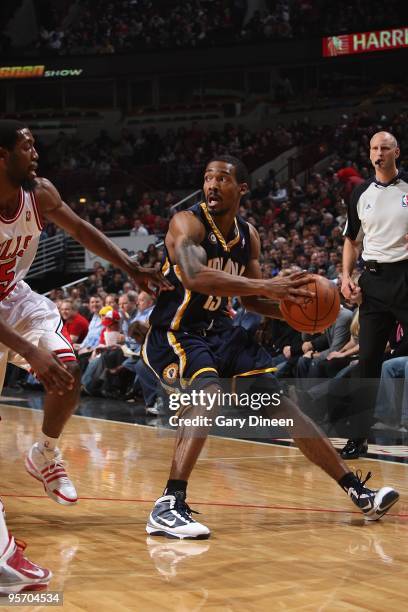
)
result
[(39, 71), (82, 200), (365, 42)]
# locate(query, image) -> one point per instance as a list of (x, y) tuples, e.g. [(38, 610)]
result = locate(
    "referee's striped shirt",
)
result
[(378, 216)]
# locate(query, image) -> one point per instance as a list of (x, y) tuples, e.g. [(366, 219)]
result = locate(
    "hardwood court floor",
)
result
[(284, 535)]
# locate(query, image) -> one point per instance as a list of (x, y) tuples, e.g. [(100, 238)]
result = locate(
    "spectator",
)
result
[(317, 349), (75, 324), (110, 373), (112, 300), (132, 26), (138, 229), (114, 287), (391, 408), (278, 194), (128, 307), (91, 339), (135, 326)]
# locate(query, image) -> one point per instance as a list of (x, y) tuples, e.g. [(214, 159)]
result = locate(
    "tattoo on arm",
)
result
[(190, 257)]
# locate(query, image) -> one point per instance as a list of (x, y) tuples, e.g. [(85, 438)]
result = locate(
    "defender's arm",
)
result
[(53, 208)]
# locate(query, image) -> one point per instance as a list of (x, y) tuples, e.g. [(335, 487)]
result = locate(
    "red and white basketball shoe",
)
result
[(48, 467), (17, 573)]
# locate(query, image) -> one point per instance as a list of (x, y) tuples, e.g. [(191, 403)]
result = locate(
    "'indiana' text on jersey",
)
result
[(187, 310)]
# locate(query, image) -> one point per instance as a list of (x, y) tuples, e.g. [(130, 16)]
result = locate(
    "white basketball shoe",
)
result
[(48, 467), (171, 517), (17, 573)]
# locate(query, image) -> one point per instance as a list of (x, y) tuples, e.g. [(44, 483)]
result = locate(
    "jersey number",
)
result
[(7, 275), (212, 303)]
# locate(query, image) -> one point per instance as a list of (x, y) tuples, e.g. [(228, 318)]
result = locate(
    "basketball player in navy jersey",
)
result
[(211, 255), (31, 332)]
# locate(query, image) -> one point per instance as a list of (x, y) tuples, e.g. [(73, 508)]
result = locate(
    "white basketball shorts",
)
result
[(37, 319)]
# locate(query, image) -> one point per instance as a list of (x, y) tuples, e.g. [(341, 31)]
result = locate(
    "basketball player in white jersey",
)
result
[(31, 333)]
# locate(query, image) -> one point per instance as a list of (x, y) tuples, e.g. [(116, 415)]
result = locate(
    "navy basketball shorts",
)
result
[(180, 359)]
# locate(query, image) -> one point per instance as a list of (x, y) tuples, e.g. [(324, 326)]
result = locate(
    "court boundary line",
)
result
[(216, 504), (298, 455)]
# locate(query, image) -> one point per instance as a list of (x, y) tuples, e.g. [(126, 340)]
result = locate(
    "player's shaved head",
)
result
[(384, 152), (385, 136)]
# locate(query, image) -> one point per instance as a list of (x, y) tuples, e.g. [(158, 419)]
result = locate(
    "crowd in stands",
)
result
[(317, 17), (139, 216), (300, 225), (134, 25), (103, 26), (7, 10), (181, 154)]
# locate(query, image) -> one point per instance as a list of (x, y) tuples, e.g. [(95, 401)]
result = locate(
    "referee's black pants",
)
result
[(385, 301)]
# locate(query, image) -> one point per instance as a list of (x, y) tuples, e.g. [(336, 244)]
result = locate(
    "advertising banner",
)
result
[(365, 42)]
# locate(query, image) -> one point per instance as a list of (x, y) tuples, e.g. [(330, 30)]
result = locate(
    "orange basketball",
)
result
[(314, 314)]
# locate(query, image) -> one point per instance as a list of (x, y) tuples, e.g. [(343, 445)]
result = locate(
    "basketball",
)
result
[(315, 314)]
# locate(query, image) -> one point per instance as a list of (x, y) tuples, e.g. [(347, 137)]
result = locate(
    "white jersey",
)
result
[(32, 316), (19, 239)]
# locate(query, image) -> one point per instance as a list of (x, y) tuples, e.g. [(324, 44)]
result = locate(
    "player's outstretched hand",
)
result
[(150, 280), (290, 287), (50, 371)]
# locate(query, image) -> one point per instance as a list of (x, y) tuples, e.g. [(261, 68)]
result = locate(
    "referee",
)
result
[(377, 224)]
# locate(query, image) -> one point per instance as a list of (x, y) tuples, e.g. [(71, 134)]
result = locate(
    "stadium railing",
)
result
[(50, 256), (186, 202)]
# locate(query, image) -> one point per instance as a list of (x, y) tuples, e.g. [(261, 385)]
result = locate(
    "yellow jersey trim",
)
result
[(250, 373), (177, 272), (200, 371), (178, 349), (253, 372), (226, 245), (166, 267), (175, 324), (144, 353)]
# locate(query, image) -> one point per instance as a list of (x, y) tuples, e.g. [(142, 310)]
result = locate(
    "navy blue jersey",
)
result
[(185, 310)]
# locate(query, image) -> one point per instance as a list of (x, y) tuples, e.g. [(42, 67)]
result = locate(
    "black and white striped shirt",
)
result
[(378, 217)]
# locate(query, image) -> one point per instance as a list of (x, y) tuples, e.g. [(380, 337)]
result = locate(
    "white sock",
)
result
[(48, 443), (4, 534)]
